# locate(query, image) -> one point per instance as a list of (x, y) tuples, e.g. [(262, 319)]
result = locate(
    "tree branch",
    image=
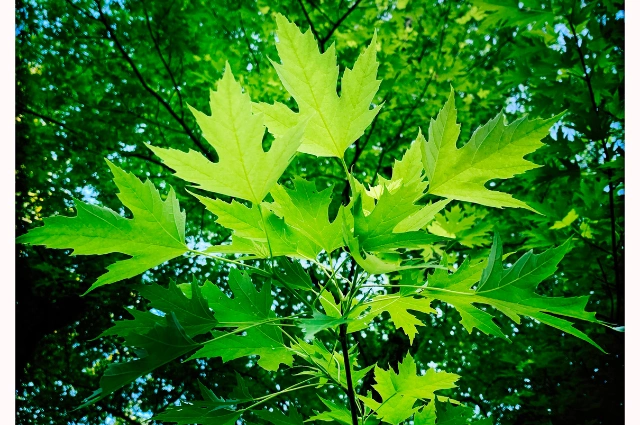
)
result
[(144, 158), (248, 43), (607, 289), (166, 65), (320, 11), (402, 128), (152, 92), (347, 368), (313, 28), (27, 110), (338, 23), (612, 212)]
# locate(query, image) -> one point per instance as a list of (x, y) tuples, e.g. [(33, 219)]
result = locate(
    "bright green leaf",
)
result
[(512, 292), (157, 347), (399, 391), (278, 418), (249, 311), (154, 235), (307, 210), (235, 132), (398, 308), (495, 151), (311, 78)]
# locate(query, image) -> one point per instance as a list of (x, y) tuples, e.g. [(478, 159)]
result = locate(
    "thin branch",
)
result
[(112, 35), (145, 158), (587, 241), (25, 109), (166, 65), (338, 23), (79, 9), (320, 11), (148, 120), (313, 28), (607, 289), (612, 213), (403, 123), (587, 77), (248, 43)]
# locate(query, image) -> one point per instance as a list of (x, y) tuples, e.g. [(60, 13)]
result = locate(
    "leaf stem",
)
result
[(268, 397), (227, 260), (273, 319), (426, 288), (236, 331)]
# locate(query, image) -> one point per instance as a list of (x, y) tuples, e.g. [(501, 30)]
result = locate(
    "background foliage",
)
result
[(92, 85)]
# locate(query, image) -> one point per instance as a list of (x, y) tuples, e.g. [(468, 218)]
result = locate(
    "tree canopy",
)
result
[(120, 80)]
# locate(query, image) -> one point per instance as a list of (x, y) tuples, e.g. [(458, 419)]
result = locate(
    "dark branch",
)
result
[(25, 109), (347, 368), (338, 23), (248, 43), (612, 212), (134, 68), (313, 29), (145, 158), (405, 119), (166, 65)]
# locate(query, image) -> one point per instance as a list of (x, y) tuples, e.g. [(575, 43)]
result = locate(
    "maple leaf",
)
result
[(407, 175), (495, 14), (464, 223), (399, 391), (331, 306), (566, 221), (154, 235), (448, 414), (495, 151), (278, 418), (319, 322), (141, 332), (395, 220), (338, 413), (256, 231), (213, 410), (244, 170), (335, 122), (244, 221), (250, 311), (369, 262), (307, 210), (192, 312), (199, 413), (160, 345), (397, 306), (241, 390), (426, 416), (464, 277), (512, 292), (396, 213), (373, 231), (143, 321), (293, 275), (384, 261), (329, 364)]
